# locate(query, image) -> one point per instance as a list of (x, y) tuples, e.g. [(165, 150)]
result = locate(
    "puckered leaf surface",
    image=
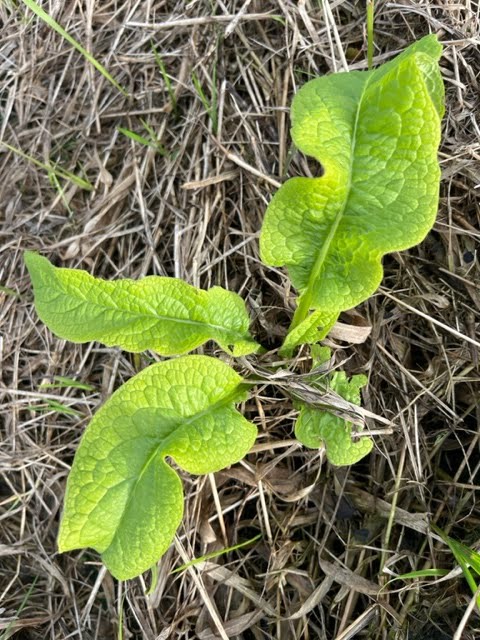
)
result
[(376, 134), (166, 315), (122, 498), (315, 428)]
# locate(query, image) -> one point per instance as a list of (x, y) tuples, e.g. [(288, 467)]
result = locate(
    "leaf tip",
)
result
[(30, 257), (34, 261)]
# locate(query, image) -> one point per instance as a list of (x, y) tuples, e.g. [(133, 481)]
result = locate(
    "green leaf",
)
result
[(43, 15), (215, 554), (467, 558), (52, 170), (122, 498), (54, 405), (311, 330), (166, 315), (315, 427), (62, 382), (320, 355), (422, 573), (376, 134), (151, 142)]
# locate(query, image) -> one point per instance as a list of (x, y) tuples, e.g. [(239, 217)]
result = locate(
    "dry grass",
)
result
[(331, 538)]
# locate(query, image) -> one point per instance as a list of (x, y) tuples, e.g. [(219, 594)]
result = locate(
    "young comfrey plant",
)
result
[(376, 134)]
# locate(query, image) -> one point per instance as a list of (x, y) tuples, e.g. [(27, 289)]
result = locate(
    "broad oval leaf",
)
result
[(166, 315), (376, 134), (122, 498), (315, 428)]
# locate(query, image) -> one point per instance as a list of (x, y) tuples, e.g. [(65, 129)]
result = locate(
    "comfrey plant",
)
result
[(376, 134)]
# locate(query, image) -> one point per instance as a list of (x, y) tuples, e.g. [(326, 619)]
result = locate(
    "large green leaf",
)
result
[(315, 427), (376, 134), (166, 315), (122, 498)]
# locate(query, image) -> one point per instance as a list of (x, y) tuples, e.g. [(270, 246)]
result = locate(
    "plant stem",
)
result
[(370, 11), (305, 300), (301, 312)]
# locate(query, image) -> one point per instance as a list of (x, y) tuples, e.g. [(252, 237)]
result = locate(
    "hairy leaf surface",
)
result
[(315, 428), (376, 134), (122, 498), (166, 315)]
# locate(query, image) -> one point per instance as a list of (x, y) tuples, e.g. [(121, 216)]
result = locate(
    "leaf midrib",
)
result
[(306, 298), (157, 450), (154, 314)]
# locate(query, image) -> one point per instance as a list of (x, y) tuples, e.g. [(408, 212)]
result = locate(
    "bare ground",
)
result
[(331, 539)]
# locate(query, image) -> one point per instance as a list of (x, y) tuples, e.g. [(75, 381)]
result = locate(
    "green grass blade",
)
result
[(61, 173), (10, 292), (147, 142), (465, 557), (153, 135), (150, 130), (55, 182), (370, 10), (166, 78), (422, 573), (8, 633), (54, 405), (470, 556), (210, 108), (43, 15), (154, 580), (136, 137), (201, 93), (62, 382), (214, 109), (215, 554)]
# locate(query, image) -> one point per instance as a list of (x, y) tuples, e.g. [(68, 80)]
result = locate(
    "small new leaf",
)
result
[(376, 134), (122, 498), (165, 315), (315, 428)]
